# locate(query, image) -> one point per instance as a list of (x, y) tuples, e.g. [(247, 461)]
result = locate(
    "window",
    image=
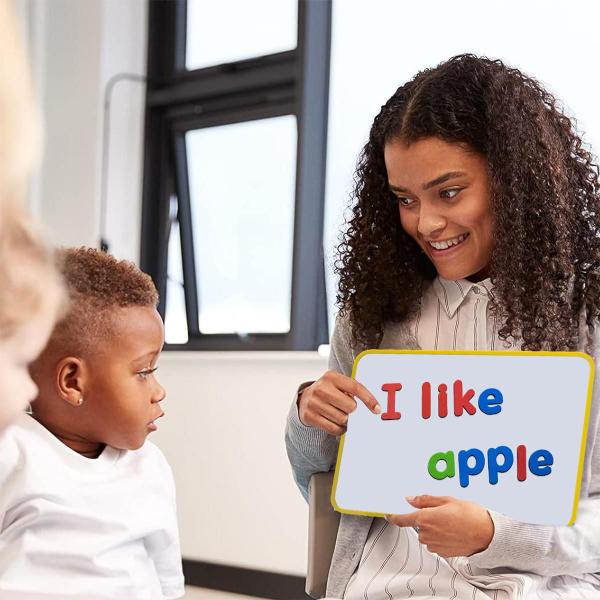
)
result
[(232, 228), (213, 37)]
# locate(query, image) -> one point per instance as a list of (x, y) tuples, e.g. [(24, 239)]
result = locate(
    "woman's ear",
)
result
[(70, 380)]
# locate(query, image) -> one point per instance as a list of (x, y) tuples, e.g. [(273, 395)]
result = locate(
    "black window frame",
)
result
[(295, 82)]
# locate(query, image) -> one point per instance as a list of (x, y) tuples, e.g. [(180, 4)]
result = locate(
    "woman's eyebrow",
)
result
[(437, 181)]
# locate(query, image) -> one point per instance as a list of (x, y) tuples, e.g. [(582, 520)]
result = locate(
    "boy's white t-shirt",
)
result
[(74, 525)]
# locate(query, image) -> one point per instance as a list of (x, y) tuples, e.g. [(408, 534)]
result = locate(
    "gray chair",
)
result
[(323, 524)]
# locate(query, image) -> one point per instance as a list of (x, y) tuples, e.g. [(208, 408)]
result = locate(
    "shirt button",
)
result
[(476, 290)]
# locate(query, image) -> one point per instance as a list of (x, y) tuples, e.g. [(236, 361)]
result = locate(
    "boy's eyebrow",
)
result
[(146, 356), (437, 181)]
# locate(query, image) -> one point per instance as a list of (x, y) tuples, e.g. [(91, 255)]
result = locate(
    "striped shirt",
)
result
[(454, 315)]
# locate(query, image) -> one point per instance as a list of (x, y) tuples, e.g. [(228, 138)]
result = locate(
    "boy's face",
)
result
[(122, 394)]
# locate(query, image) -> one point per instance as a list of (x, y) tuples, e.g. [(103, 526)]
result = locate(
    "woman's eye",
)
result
[(404, 201), (449, 194)]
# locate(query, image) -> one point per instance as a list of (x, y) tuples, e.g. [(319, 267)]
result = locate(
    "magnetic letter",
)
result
[(442, 400), (489, 401), (493, 467), (391, 414), (462, 401), (540, 462), (426, 400), (521, 463), (448, 458), (464, 470)]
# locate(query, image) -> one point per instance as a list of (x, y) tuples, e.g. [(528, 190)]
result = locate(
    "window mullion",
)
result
[(308, 288), (184, 212), (226, 81), (158, 188)]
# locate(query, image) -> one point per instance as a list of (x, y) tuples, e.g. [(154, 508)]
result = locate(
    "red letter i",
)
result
[(391, 414), (442, 400)]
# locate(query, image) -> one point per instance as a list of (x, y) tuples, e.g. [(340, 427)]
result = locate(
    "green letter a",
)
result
[(448, 458)]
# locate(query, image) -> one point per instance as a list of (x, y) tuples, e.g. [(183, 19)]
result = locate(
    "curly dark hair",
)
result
[(545, 198)]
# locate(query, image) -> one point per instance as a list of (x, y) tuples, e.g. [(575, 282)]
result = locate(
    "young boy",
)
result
[(87, 505)]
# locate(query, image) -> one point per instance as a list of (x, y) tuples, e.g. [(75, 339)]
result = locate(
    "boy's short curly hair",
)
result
[(97, 284)]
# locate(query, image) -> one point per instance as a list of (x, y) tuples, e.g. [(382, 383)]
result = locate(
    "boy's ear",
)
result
[(70, 380)]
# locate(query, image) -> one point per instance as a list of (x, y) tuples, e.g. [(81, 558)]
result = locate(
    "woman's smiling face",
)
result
[(444, 203)]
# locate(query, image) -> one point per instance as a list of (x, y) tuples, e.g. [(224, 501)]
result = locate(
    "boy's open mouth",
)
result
[(152, 424)]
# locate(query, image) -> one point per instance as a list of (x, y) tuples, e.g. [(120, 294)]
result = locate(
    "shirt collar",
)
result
[(453, 292)]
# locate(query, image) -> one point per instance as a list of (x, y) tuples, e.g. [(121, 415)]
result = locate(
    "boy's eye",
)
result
[(146, 373)]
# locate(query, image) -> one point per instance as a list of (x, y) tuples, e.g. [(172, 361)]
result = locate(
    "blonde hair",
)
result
[(20, 129), (29, 278)]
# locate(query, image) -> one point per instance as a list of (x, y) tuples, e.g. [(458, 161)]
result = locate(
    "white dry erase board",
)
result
[(506, 430)]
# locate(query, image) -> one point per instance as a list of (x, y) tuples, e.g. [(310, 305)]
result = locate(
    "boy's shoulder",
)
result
[(150, 451), (16, 441), (16, 434), (152, 456)]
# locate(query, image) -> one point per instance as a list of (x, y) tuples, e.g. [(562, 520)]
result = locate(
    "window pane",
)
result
[(242, 188), (176, 331), (228, 30)]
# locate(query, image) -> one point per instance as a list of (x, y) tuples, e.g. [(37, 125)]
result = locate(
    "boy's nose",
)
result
[(160, 394)]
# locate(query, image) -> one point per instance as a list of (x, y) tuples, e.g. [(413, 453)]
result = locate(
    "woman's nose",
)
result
[(430, 222)]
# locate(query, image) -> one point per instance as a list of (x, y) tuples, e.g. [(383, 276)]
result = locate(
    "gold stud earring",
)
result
[(80, 401)]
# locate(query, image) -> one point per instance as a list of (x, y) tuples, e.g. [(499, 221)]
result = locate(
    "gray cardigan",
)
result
[(545, 550)]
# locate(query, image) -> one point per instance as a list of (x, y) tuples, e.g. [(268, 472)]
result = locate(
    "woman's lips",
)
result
[(446, 251)]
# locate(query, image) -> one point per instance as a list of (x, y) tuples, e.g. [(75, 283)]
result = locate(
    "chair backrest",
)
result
[(323, 524)]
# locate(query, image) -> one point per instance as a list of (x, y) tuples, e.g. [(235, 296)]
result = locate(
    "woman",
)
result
[(475, 227)]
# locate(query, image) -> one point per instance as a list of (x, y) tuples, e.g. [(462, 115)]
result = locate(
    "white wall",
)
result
[(124, 53), (223, 433), (76, 48), (67, 55)]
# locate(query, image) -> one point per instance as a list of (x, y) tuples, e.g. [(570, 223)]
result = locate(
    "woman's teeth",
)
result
[(447, 243)]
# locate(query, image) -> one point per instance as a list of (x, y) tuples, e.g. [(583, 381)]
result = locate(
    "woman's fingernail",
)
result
[(410, 498), (377, 409)]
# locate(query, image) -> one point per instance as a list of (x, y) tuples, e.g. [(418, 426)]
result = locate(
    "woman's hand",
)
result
[(327, 403), (448, 526)]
